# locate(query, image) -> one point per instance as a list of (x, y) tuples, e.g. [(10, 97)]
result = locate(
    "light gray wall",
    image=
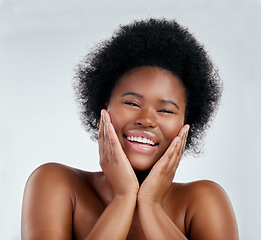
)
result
[(40, 44)]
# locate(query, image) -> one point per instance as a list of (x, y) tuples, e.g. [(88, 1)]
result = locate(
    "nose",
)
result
[(146, 118)]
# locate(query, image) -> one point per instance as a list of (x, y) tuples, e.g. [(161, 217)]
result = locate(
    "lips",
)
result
[(141, 141)]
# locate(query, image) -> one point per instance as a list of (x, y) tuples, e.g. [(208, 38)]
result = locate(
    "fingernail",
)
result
[(185, 129), (102, 115)]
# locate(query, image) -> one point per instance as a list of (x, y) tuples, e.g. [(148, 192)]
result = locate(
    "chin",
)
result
[(141, 163)]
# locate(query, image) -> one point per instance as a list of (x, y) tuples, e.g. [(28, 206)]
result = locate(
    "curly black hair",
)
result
[(152, 42)]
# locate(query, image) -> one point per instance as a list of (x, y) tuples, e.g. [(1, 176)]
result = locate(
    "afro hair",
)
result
[(152, 42)]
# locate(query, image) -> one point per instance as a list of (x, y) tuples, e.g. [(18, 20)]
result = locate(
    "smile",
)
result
[(141, 140), (141, 144)]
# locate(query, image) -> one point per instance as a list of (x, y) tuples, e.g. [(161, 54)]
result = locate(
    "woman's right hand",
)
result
[(113, 161)]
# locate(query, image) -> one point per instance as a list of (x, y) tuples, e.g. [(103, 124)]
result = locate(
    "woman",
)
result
[(149, 93)]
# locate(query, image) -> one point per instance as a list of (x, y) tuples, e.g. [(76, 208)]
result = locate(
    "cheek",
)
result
[(171, 130), (118, 119)]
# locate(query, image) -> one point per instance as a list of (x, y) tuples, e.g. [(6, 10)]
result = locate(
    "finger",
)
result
[(180, 134), (106, 115), (183, 135), (174, 163), (172, 156), (107, 142), (173, 145), (111, 135), (184, 139), (101, 137), (115, 146), (176, 151), (168, 155)]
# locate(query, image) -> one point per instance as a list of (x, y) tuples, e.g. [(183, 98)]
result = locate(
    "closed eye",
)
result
[(166, 111), (131, 103)]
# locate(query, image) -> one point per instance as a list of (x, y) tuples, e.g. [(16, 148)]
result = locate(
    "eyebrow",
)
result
[(170, 102), (132, 94), (140, 96)]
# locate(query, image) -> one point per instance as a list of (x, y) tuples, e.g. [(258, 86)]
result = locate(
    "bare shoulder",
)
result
[(210, 214), (55, 169), (55, 178), (205, 190), (49, 172), (198, 192), (49, 201)]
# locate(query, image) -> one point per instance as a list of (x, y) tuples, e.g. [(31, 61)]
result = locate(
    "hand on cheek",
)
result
[(157, 183), (113, 161)]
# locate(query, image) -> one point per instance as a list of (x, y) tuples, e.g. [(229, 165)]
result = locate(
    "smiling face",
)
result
[(147, 110)]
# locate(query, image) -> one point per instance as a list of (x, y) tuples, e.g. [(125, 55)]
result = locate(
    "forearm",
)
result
[(115, 221), (156, 224)]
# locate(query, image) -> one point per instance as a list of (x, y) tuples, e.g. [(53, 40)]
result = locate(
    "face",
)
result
[(147, 110)]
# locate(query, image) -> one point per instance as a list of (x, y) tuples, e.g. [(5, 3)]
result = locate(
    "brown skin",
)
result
[(134, 196)]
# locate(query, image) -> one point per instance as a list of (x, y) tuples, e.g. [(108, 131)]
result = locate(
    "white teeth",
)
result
[(141, 140)]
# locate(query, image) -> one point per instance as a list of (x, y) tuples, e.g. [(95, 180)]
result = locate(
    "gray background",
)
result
[(42, 41)]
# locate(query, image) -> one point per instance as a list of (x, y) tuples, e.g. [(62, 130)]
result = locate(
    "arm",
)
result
[(156, 224), (48, 204), (49, 199), (211, 216), (115, 221)]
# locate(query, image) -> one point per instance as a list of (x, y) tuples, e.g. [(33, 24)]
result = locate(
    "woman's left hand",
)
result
[(157, 183)]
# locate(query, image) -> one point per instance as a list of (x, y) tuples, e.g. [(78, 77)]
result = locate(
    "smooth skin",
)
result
[(134, 197)]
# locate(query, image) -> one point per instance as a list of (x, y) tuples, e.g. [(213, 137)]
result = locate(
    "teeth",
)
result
[(140, 140)]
